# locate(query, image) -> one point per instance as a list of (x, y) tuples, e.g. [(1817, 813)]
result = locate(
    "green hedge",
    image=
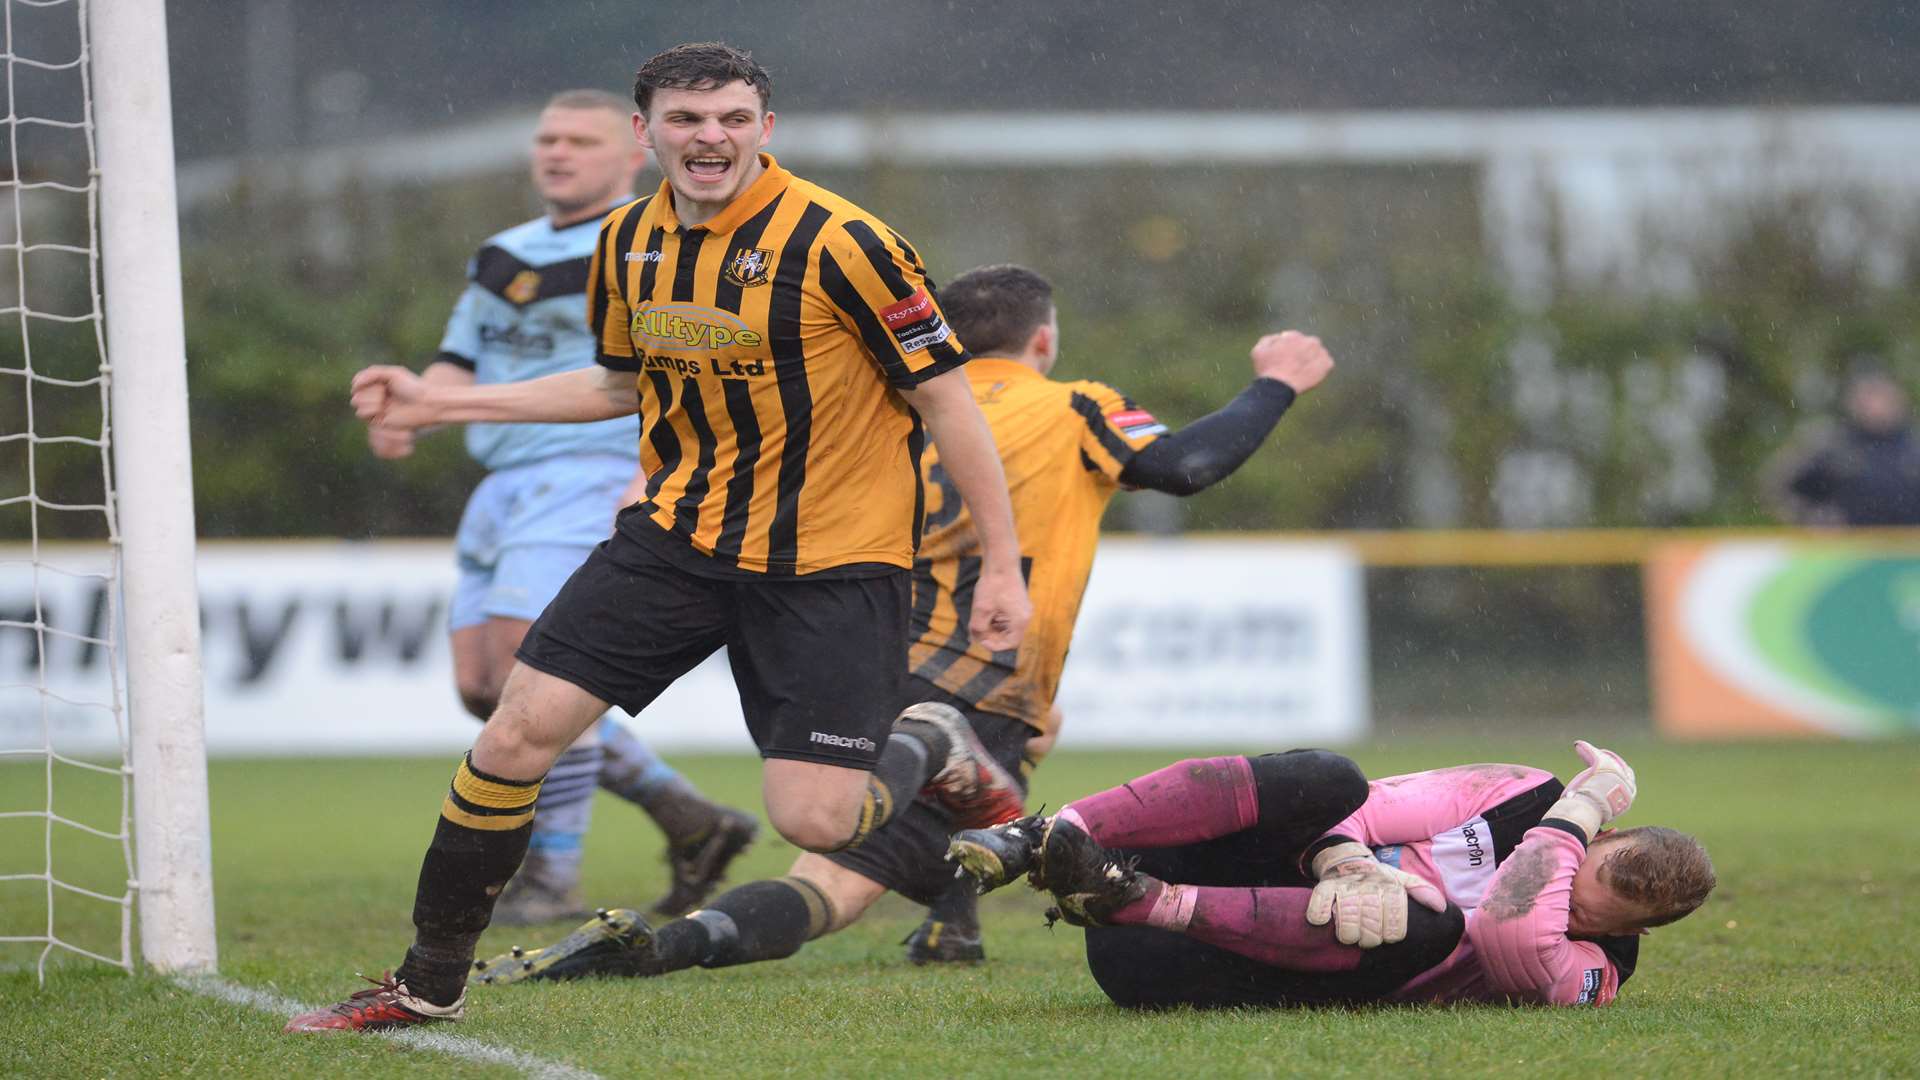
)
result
[(1623, 408)]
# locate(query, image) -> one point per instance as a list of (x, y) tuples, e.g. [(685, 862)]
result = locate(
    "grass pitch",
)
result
[(1807, 959)]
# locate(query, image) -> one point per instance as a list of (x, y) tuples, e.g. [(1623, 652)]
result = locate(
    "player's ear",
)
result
[(640, 132), (766, 129), (1044, 342)]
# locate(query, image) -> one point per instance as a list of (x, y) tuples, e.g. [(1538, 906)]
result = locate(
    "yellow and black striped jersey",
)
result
[(1063, 445), (767, 343)]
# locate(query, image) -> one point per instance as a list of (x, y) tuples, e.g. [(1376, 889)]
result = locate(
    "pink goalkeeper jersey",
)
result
[(1430, 824)]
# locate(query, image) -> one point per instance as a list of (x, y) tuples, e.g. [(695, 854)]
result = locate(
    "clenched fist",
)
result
[(1294, 358)]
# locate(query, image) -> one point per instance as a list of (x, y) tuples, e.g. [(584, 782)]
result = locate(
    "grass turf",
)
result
[(1805, 960)]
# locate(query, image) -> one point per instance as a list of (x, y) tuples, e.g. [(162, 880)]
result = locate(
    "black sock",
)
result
[(914, 752), (761, 920), (481, 838)]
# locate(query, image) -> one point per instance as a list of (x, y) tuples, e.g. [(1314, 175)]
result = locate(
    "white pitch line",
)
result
[(419, 1038)]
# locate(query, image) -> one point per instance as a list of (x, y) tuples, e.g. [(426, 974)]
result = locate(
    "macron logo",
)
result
[(643, 256), (864, 745)]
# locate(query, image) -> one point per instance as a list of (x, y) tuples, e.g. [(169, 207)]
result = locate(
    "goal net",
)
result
[(102, 772)]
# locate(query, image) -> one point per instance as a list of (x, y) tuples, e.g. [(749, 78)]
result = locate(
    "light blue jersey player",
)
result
[(550, 495)]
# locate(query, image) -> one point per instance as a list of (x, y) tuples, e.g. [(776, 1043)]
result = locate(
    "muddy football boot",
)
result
[(938, 941), (974, 788), (614, 942), (1089, 882), (698, 867), (384, 1006), (950, 934), (994, 857)]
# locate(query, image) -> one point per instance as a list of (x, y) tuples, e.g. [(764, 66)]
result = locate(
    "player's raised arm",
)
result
[(1000, 605), (1285, 365), (394, 397)]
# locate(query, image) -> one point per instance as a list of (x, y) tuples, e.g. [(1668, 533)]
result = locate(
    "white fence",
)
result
[(340, 648)]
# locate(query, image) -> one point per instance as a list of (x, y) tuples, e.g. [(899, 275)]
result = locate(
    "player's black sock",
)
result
[(914, 752), (485, 823), (761, 920)]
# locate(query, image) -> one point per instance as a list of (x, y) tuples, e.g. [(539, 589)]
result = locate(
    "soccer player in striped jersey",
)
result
[(1283, 880), (1067, 448), (550, 495), (789, 362)]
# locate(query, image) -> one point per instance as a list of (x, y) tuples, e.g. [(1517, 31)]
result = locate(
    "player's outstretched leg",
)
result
[(703, 837), (761, 920), (950, 934), (615, 941)]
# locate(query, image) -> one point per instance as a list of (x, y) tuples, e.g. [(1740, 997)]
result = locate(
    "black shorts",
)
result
[(818, 660), (909, 853)]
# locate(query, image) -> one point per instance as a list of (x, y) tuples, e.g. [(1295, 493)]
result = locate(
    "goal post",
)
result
[(146, 353)]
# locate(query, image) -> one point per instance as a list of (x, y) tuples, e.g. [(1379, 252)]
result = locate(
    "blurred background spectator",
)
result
[(1863, 469)]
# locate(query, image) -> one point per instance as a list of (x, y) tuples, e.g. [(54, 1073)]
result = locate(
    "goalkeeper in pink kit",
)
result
[(1286, 879)]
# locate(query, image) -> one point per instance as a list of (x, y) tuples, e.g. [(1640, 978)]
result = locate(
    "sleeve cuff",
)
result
[(619, 363), (911, 379), (1273, 392), (1320, 845), (1567, 827), (462, 362)]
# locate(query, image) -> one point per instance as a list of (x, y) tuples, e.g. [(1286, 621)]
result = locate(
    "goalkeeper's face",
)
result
[(1597, 909), (707, 142), (582, 158)]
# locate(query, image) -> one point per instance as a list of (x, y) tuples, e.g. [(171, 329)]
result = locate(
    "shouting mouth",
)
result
[(708, 167)]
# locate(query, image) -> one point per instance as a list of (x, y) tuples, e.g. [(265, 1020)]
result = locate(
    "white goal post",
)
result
[(146, 351)]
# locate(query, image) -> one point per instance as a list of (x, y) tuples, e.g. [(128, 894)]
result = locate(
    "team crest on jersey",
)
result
[(523, 288), (749, 267)]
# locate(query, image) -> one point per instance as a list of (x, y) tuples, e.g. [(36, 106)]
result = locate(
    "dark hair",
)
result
[(1665, 871), (699, 65), (995, 309), (588, 99)]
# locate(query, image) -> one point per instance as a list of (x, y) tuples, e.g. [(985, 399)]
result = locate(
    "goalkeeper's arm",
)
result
[(1365, 899)]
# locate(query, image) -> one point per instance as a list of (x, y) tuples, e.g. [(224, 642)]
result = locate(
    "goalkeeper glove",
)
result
[(1599, 793), (1365, 898)]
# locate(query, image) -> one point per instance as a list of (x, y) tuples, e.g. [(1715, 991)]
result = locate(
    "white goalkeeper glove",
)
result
[(1599, 793), (1365, 898)]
